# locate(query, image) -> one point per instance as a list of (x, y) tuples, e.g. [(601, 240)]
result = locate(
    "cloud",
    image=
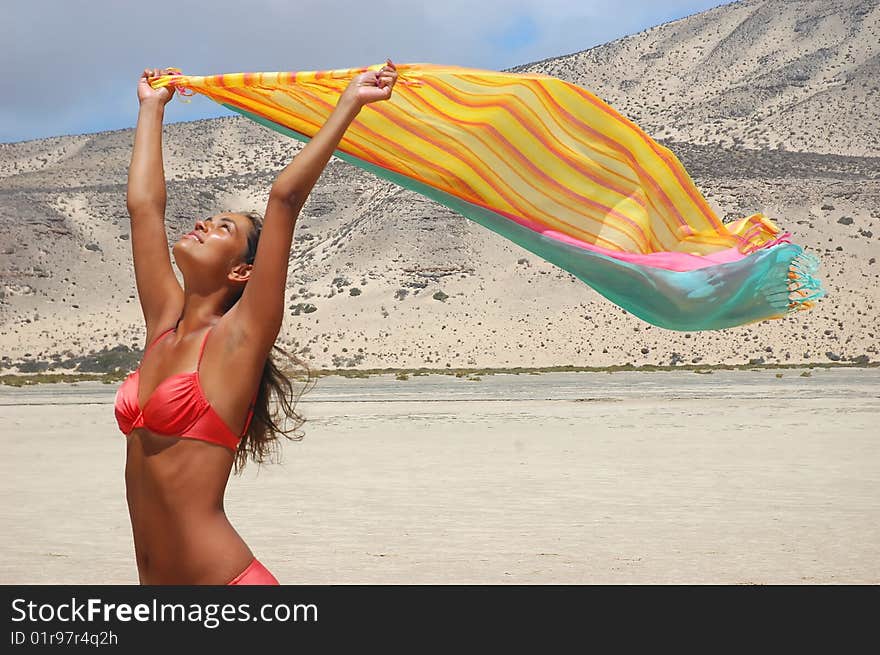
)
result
[(72, 66)]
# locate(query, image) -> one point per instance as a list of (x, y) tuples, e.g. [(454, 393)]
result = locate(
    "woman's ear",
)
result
[(240, 273)]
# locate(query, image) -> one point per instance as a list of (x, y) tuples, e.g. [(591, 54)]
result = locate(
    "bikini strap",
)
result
[(156, 340)]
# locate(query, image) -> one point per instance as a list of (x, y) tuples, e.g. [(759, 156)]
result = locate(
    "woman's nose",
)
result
[(200, 225)]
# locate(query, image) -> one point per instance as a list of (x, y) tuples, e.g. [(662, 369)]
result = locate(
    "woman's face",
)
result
[(214, 246)]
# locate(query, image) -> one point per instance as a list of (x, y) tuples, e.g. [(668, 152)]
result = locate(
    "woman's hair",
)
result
[(260, 442)]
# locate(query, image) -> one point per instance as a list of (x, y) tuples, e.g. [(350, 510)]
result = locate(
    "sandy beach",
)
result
[(626, 477)]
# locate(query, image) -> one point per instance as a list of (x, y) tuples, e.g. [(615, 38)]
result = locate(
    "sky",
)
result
[(72, 66)]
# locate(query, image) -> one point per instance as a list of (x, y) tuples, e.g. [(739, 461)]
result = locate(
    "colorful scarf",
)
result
[(553, 168)]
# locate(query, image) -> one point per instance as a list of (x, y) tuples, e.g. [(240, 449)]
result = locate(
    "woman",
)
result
[(199, 402)]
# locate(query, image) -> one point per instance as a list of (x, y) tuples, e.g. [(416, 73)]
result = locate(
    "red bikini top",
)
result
[(177, 407)]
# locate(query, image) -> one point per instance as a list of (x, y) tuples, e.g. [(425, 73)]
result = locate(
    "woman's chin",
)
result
[(182, 250)]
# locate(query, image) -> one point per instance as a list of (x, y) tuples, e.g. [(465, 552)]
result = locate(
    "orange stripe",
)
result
[(473, 195), (522, 120), (514, 98), (573, 135), (468, 161), (476, 197), (672, 229), (699, 201), (608, 210)]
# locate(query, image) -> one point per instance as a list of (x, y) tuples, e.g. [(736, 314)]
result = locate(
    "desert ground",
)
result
[(733, 477)]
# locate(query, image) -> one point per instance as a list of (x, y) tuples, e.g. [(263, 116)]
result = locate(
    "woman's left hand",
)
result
[(372, 86)]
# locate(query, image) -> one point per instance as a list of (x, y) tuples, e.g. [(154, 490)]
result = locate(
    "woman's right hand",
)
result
[(146, 92)]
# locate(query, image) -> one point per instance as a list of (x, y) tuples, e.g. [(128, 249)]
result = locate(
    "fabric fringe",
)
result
[(804, 288), (801, 289)]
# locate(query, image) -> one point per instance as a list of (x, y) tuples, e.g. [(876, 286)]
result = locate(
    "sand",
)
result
[(666, 477)]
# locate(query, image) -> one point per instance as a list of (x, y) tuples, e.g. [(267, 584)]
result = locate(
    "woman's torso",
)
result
[(175, 486)]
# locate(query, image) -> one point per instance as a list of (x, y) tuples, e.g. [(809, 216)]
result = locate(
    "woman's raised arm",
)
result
[(160, 294), (261, 307)]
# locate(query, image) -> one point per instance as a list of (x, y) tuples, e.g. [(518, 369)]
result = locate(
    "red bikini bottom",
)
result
[(254, 574)]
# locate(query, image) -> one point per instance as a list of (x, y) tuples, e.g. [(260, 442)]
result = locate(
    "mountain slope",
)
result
[(765, 74)]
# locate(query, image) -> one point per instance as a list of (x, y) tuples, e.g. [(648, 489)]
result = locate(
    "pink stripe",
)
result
[(673, 261)]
